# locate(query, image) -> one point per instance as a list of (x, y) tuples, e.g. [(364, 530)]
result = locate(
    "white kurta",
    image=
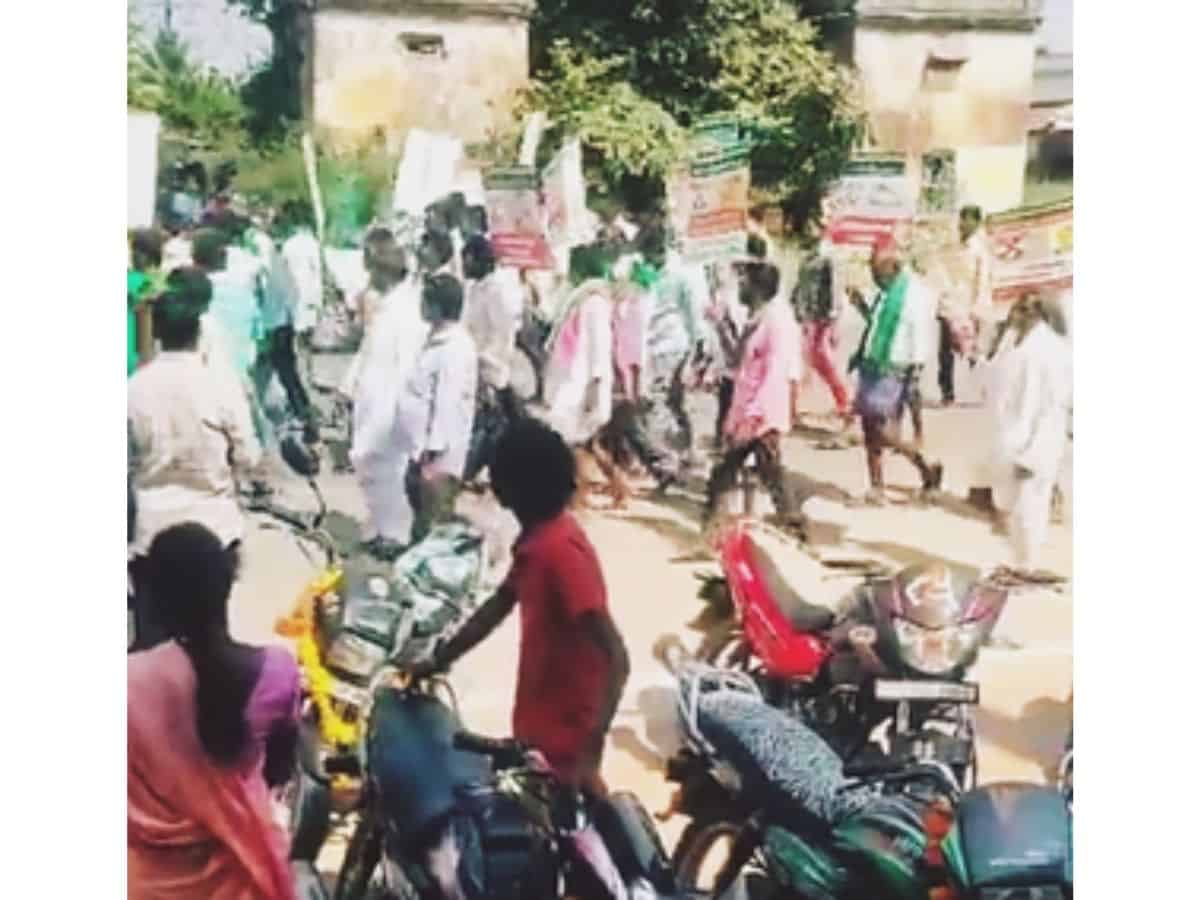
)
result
[(302, 257), (1029, 398), (568, 374), (437, 404), (492, 318), (388, 356)]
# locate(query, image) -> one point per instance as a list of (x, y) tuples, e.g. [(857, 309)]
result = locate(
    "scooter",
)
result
[(895, 654)]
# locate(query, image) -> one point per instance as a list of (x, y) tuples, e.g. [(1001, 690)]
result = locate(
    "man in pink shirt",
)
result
[(760, 413)]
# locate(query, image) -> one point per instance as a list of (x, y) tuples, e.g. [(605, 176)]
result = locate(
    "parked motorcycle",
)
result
[(761, 782), (453, 814), (896, 654), (798, 824), (353, 617)]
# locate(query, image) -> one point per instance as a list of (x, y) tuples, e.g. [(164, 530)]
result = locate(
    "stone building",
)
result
[(377, 68), (952, 75)]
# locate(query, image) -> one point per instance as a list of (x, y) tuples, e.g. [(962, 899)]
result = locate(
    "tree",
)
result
[(193, 101), (689, 58), (274, 94)]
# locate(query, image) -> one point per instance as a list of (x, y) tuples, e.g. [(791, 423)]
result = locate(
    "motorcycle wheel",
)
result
[(355, 879), (696, 868)]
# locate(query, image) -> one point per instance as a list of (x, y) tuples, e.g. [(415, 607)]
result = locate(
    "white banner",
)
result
[(142, 161), (427, 171), (565, 198)]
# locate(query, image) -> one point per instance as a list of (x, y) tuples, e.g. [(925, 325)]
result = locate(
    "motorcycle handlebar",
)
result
[(504, 752)]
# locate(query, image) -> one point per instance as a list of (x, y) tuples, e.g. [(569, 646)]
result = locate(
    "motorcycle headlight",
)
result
[(354, 656), (936, 651)]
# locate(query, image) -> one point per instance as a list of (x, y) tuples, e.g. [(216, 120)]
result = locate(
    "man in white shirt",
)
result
[(437, 407), (494, 308), (190, 428), (968, 302), (893, 348), (302, 258), (278, 305)]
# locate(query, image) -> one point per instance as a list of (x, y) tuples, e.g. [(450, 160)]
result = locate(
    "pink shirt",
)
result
[(761, 390)]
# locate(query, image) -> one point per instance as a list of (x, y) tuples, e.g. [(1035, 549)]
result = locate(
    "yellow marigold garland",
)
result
[(334, 729), (299, 625)]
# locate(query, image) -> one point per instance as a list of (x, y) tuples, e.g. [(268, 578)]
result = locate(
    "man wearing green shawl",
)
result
[(141, 283), (897, 341)]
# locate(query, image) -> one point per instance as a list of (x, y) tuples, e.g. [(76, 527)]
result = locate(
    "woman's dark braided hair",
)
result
[(190, 577)]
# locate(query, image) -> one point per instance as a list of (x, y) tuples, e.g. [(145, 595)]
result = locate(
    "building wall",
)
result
[(366, 84), (977, 105)]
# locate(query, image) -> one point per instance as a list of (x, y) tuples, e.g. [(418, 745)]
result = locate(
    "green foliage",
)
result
[(628, 139), (354, 187), (194, 102), (627, 75)]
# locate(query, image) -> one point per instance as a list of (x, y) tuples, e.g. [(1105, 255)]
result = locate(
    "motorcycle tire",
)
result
[(693, 850), (356, 877), (309, 807)]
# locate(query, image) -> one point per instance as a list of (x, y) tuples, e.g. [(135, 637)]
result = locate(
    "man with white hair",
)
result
[(1029, 396)]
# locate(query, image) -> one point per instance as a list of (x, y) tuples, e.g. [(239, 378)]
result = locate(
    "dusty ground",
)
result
[(647, 554)]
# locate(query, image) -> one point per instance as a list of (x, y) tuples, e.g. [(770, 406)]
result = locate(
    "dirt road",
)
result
[(1025, 680)]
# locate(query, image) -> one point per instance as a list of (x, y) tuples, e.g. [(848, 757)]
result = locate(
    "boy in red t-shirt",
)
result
[(573, 663)]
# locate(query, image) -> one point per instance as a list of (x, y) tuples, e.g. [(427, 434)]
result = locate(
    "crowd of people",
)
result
[(635, 328)]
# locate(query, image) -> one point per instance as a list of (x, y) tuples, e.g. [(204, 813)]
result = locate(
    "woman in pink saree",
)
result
[(211, 726)]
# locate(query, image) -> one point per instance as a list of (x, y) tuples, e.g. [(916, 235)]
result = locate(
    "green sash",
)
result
[(878, 357)]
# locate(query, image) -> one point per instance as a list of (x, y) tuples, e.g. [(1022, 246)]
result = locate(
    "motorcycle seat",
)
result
[(802, 615), (781, 760)]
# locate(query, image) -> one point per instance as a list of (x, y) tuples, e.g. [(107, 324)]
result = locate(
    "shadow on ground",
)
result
[(656, 705), (1038, 734)]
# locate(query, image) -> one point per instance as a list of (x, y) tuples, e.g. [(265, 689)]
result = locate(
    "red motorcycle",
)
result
[(896, 653)]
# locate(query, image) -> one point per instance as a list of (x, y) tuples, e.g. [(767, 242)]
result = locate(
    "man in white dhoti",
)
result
[(1029, 396), (388, 355)]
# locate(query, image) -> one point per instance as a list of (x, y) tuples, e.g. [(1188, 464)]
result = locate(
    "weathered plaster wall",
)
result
[(364, 81), (981, 110)]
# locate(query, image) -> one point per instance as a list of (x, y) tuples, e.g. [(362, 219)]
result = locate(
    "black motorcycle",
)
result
[(794, 823), (449, 813), (356, 616), (914, 638)]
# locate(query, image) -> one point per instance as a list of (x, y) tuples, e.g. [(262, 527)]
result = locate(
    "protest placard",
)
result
[(875, 196), (142, 172), (565, 198), (1032, 248), (427, 170), (517, 218), (709, 205)]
